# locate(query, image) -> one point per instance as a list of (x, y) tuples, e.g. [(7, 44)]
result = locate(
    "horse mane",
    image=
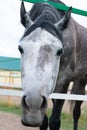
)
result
[(46, 11)]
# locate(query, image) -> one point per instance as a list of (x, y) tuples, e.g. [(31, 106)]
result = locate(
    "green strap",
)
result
[(60, 6)]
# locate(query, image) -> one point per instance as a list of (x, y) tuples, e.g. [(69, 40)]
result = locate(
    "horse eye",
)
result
[(20, 49), (60, 51)]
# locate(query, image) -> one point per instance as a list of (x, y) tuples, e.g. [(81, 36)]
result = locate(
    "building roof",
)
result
[(9, 63)]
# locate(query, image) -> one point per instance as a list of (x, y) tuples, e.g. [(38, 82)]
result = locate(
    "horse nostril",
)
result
[(24, 104), (44, 103)]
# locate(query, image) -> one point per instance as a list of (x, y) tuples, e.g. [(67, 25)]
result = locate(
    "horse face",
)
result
[(40, 59)]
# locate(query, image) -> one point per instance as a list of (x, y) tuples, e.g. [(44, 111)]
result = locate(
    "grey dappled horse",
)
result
[(48, 33)]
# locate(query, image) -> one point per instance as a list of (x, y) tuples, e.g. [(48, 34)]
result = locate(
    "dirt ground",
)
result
[(9, 121)]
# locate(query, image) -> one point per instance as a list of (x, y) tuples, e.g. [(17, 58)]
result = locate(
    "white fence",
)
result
[(6, 92)]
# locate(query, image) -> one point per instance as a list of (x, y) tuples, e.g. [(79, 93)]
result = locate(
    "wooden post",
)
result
[(9, 97)]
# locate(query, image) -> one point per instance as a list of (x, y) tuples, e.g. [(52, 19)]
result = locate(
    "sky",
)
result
[(11, 29)]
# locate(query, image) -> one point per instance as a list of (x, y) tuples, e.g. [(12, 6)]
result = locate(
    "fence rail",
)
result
[(6, 92), (68, 96)]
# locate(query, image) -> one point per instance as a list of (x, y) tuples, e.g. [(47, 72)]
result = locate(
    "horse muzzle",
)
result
[(34, 108), (32, 119)]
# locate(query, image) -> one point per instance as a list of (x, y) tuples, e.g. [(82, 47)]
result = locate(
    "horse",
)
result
[(53, 53)]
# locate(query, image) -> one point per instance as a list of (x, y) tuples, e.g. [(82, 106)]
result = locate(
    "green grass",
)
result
[(14, 109), (67, 122), (66, 119)]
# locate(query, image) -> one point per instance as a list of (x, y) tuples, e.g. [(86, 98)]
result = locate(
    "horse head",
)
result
[(40, 47)]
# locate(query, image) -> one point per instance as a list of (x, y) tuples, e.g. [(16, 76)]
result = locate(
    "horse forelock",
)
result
[(44, 25)]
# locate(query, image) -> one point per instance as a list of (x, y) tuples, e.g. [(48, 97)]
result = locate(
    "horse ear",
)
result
[(63, 23), (24, 16)]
